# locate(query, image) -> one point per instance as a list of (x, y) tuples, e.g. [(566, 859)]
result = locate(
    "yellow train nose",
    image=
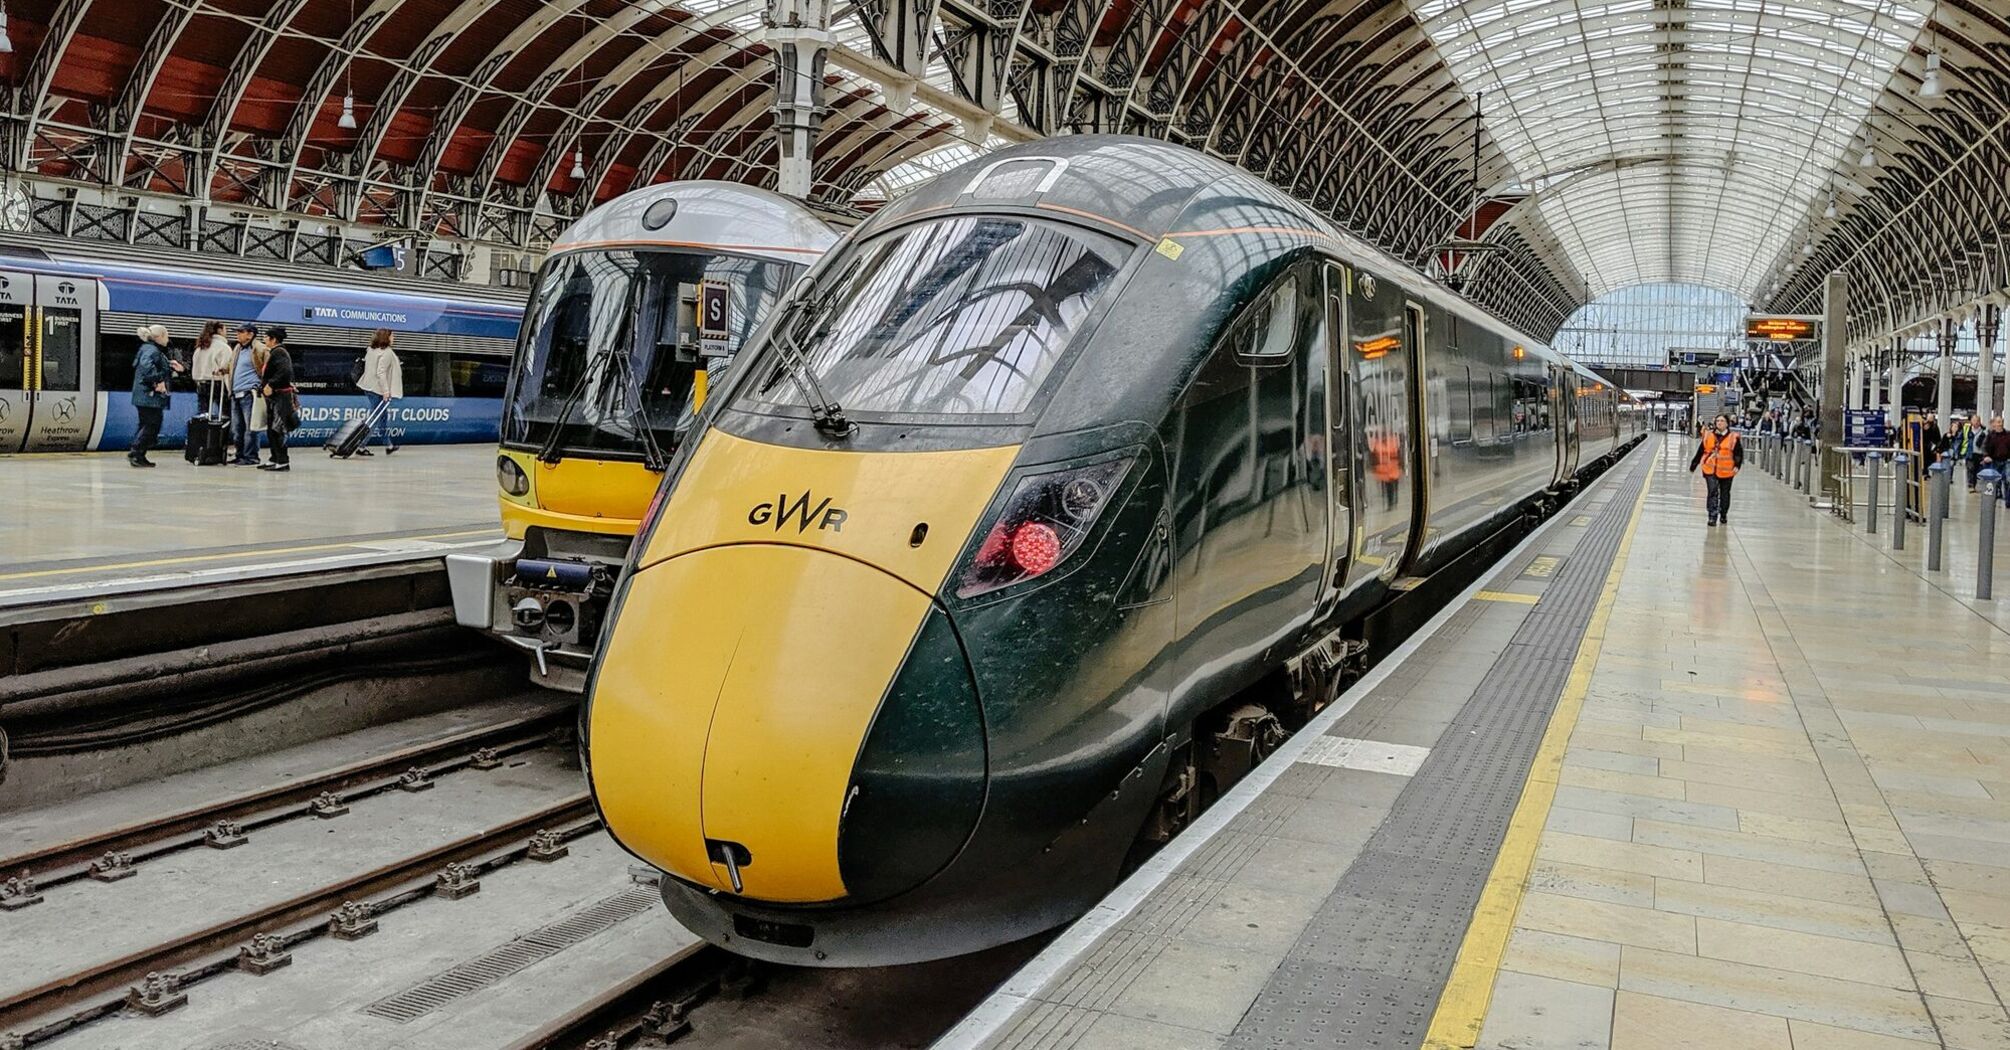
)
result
[(731, 704)]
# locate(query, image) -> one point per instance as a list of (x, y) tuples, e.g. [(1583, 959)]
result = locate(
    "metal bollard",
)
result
[(1874, 466), (1898, 463), (1779, 458), (1985, 549), (1936, 492)]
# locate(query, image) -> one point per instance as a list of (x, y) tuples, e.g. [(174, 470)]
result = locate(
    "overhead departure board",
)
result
[(1778, 329)]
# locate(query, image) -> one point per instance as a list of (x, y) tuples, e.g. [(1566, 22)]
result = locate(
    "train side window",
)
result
[(1269, 333)]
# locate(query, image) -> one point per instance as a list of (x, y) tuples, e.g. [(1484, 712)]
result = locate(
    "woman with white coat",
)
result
[(211, 371), (384, 380)]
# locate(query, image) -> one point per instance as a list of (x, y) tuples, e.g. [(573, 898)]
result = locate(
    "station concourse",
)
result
[(1022, 525)]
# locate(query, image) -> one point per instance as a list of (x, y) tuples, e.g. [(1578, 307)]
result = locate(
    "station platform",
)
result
[(1648, 784), (83, 525)]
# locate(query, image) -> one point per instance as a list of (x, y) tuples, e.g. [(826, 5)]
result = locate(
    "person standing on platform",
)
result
[(1931, 440), (151, 370), (1964, 447), (211, 369), (1996, 452), (281, 409), (244, 383), (1720, 454), (384, 380)]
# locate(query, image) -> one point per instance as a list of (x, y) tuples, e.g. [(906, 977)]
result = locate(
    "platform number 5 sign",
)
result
[(715, 314)]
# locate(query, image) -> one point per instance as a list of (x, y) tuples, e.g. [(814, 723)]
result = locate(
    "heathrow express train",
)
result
[(67, 347), (1038, 514), (637, 307)]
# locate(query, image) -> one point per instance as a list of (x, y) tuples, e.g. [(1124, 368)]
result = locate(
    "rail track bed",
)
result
[(284, 903)]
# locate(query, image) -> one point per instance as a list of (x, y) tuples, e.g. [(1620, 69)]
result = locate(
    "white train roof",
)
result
[(724, 216)]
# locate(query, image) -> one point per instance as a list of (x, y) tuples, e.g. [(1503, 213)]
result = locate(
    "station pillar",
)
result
[(799, 31), (1837, 376), (1988, 323), (1894, 404), (1943, 386), (1873, 398), (1853, 393)]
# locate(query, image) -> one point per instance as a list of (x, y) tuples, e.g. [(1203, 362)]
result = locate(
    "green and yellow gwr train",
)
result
[(961, 586)]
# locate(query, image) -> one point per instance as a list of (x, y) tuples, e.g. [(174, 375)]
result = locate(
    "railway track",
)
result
[(155, 979), (228, 822)]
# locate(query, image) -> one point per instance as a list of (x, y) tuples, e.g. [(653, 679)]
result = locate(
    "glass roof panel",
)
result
[(1699, 132)]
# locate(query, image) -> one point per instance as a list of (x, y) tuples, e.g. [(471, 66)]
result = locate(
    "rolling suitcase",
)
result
[(353, 432), (207, 438)]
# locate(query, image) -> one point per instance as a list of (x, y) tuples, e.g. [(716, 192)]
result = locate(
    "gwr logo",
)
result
[(784, 510)]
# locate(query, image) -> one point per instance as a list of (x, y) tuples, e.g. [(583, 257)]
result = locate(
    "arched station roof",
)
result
[(1617, 142)]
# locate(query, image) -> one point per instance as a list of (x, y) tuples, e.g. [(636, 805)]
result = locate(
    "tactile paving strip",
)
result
[(1368, 969)]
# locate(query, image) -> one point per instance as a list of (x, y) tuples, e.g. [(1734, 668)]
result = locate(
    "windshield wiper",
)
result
[(549, 451), (825, 413)]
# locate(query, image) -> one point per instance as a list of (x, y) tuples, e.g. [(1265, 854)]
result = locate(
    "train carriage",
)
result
[(1008, 530)]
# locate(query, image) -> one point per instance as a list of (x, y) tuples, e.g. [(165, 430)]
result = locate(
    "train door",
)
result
[(1337, 441), (17, 358), (65, 337), (1380, 408), (1563, 410)]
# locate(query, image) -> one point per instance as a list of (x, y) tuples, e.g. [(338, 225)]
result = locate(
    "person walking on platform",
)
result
[(151, 370), (282, 414), (384, 380), (1964, 446), (1996, 452), (1720, 454), (211, 370), (1931, 441), (244, 383)]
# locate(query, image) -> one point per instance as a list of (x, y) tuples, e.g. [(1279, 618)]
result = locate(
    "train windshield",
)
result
[(962, 317), (612, 342)]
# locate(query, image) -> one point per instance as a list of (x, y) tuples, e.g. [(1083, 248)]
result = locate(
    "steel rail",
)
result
[(154, 836), (290, 921)]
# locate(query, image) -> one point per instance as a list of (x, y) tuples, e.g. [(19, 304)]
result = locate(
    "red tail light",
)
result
[(1045, 520)]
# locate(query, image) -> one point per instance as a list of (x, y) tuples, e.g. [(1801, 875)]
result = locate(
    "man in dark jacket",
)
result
[(281, 417), (151, 369), (1931, 441), (1996, 453)]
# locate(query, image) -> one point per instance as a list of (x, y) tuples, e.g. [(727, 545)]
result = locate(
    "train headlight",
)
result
[(511, 477), (1045, 520)]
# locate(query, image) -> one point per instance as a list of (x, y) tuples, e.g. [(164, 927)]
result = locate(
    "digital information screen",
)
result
[(1778, 329)]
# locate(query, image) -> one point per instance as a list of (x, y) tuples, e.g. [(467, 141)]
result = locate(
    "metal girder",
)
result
[(662, 94), (448, 122), (33, 95), (370, 139), (900, 31), (333, 68), (132, 97), (799, 31), (223, 111)]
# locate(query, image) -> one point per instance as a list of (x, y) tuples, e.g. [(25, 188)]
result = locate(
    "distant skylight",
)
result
[(1703, 132)]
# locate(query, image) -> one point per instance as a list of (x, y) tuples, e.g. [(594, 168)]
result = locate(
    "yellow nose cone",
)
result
[(731, 703)]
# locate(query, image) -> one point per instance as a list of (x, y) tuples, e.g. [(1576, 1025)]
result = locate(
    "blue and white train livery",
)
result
[(67, 347)]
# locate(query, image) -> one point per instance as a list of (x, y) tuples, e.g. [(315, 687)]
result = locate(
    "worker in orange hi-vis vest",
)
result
[(1720, 454), (1385, 463)]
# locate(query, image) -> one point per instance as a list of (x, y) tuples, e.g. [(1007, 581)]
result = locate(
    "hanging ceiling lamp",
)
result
[(6, 42), (578, 165), (1930, 87), (1869, 157), (1830, 211), (347, 121)]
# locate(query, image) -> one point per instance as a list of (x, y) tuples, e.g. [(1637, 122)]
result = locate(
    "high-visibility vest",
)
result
[(1385, 457), (1719, 454)]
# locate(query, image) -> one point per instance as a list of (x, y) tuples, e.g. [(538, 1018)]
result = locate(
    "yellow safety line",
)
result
[(1507, 596), (187, 558), (1463, 1005)]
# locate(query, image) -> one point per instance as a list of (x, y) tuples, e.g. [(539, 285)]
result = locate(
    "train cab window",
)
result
[(960, 317), (611, 344), (1270, 332)]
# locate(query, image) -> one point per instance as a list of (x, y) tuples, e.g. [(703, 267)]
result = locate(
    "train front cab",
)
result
[(48, 361), (640, 306)]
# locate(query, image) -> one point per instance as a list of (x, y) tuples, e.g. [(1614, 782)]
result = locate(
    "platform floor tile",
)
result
[(1806, 742)]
